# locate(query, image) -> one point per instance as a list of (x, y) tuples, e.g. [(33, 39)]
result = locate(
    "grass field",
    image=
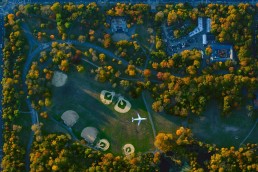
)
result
[(81, 94), (211, 127), (224, 130), (24, 120), (51, 127), (143, 35)]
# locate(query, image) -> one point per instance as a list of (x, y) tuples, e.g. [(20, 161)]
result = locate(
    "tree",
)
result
[(172, 17), (107, 40), (176, 33), (102, 57), (56, 7), (208, 50), (159, 17), (67, 25), (158, 44), (157, 106), (124, 83), (163, 142), (80, 68), (82, 38), (147, 73), (64, 65)]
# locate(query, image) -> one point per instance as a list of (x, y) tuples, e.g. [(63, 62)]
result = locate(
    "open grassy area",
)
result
[(81, 94), (211, 127), (51, 127), (143, 35), (24, 120), (223, 130)]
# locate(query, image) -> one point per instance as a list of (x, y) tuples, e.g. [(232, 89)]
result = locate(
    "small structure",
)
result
[(59, 79), (204, 39), (103, 144), (208, 25), (89, 134), (221, 52), (107, 97), (128, 149), (198, 29), (122, 105), (119, 24), (70, 117)]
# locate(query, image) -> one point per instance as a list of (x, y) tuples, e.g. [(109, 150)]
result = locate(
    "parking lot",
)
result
[(186, 42)]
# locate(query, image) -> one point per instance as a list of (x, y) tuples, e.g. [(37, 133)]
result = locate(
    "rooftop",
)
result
[(221, 52)]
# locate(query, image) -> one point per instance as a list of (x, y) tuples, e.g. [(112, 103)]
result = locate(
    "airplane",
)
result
[(139, 119)]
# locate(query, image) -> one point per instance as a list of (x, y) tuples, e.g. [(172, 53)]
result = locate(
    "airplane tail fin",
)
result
[(132, 119)]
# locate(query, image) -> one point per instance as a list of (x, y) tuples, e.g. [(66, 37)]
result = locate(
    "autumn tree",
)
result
[(163, 142)]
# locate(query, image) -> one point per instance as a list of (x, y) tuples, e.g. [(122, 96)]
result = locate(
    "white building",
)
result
[(198, 29), (204, 39), (118, 24), (221, 53), (208, 25)]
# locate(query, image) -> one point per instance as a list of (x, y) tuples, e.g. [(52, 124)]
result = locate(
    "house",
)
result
[(119, 24), (221, 53)]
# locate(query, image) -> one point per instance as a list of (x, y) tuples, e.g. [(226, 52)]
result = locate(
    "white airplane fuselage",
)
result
[(139, 119)]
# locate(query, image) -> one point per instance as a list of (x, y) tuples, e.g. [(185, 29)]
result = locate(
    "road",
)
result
[(33, 112)]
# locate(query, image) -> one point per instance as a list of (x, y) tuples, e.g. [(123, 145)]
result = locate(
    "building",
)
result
[(199, 28), (202, 26), (221, 53), (119, 24), (204, 39), (208, 25)]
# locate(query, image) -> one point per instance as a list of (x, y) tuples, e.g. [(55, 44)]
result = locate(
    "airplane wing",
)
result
[(138, 115), (139, 122)]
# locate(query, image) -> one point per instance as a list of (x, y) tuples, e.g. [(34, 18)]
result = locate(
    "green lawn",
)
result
[(143, 35), (211, 127), (81, 94), (51, 127), (229, 130), (24, 121)]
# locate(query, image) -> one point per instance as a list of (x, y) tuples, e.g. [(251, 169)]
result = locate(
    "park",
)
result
[(76, 76)]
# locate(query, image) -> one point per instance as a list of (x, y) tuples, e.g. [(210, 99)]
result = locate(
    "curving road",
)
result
[(33, 112)]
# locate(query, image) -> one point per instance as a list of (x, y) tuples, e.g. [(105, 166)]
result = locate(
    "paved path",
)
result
[(149, 114), (250, 132), (33, 113)]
